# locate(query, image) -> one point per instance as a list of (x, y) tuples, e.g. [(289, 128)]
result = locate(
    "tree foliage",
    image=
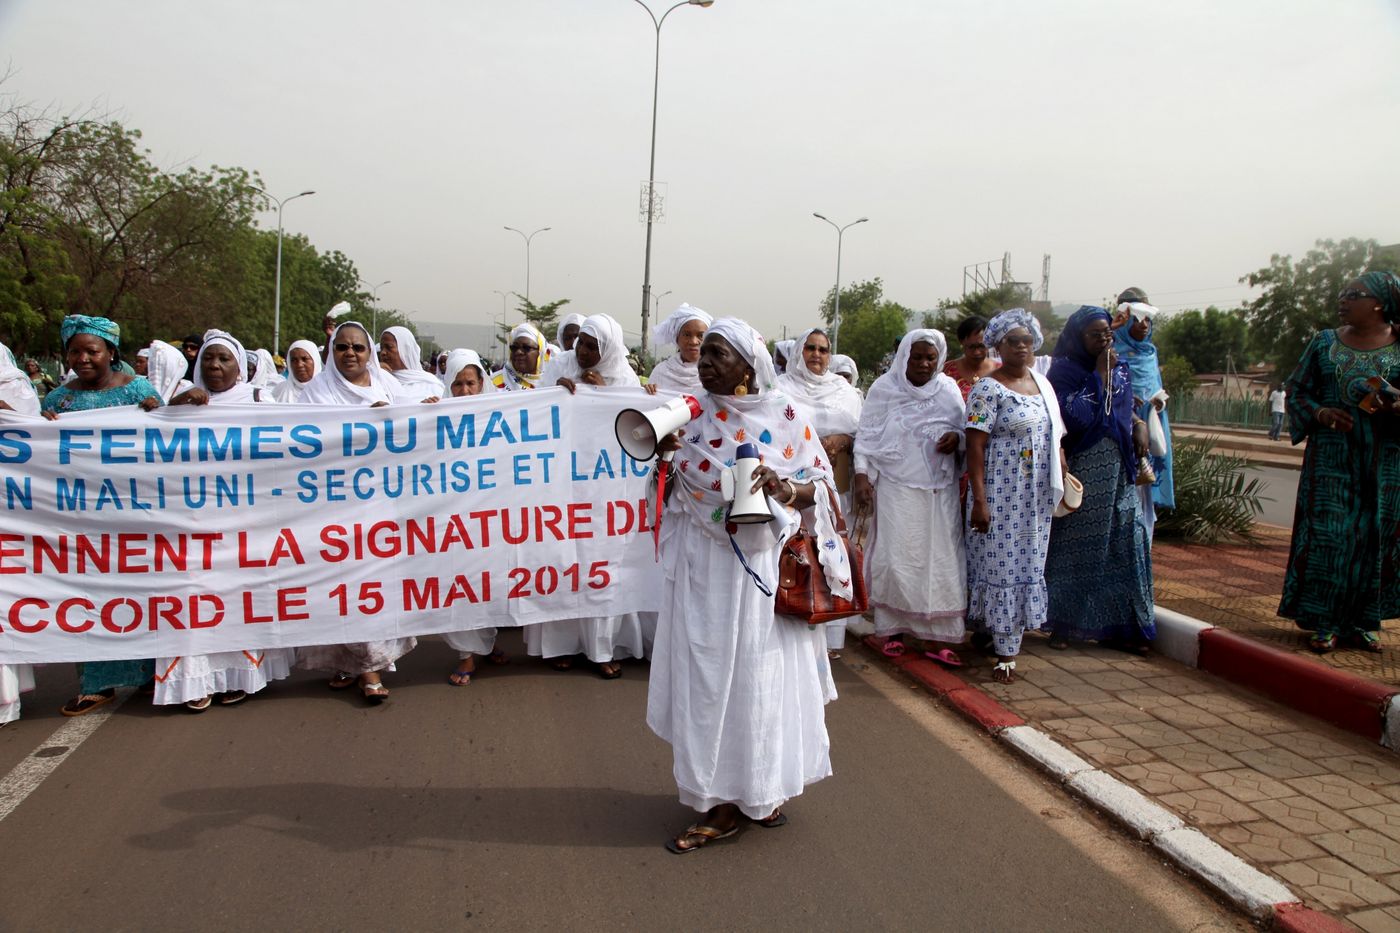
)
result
[(1214, 500), (870, 324), (1207, 340), (1300, 297), (545, 317), (1178, 376)]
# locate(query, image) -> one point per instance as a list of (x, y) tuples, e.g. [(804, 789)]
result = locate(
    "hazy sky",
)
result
[(1173, 146)]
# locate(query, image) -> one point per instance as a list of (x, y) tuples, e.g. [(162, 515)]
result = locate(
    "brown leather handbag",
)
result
[(803, 592)]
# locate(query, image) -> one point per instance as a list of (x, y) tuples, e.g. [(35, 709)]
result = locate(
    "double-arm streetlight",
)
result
[(651, 170), (527, 240), (657, 303), (374, 309), (836, 312), (277, 288)]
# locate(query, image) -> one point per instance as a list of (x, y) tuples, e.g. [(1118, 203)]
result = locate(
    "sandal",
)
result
[(1369, 641), (342, 681), (87, 702), (945, 656), (462, 676), (609, 670), (232, 697), (832, 654), (1322, 644), (1059, 642), (892, 648), (773, 820), (562, 664), (200, 705), (375, 693), (704, 836), (1004, 672), (497, 656)]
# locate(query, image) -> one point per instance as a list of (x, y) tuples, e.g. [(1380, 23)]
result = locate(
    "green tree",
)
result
[(1301, 298), (1178, 377), (545, 317), (870, 324), (854, 295), (1207, 340)]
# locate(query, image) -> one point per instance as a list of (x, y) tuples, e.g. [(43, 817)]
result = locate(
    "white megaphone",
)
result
[(745, 507), (640, 431)]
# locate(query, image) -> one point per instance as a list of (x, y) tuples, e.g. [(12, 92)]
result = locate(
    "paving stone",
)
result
[(1175, 685), (1154, 734), (1047, 708), (1309, 744), (1368, 771), (1223, 705), (1077, 662), (1208, 807), (1279, 763), (1266, 842), (1198, 758), (1078, 728), (1247, 785), (1337, 792), (1185, 716), (1115, 712), (1384, 819), (1336, 884), (1367, 849), (1078, 694), (1014, 692), (1149, 699), (1260, 722), (1114, 681), (1229, 738), (1377, 920), (1158, 777), (1304, 815), (1049, 677), (1113, 752)]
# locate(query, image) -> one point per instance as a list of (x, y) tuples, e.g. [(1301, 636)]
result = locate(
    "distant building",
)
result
[(1253, 383)]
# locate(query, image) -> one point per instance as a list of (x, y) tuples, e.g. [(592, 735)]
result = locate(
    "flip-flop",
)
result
[(892, 648), (614, 674), (460, 678), (773, 821), (374, 693), (342, 681), (707, 834), (945, 656), (232, 697), (85, 703)]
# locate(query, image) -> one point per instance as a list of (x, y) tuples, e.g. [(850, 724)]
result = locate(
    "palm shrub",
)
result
[(1214, 500)]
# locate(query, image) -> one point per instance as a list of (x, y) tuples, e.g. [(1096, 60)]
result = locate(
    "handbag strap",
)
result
[(757, 580)]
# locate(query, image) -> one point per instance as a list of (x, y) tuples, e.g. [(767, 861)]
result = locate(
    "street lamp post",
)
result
[(374, 310), (836, 312), (527, 240), (657, 301), (277, 288), (651, 169)]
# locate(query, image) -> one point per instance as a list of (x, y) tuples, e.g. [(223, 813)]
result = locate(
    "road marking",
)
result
[(25, 777)]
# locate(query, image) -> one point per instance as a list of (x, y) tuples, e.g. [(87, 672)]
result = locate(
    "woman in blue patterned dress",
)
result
[(1015, 469), (1099, 567), (90, 345), (1341, 579)]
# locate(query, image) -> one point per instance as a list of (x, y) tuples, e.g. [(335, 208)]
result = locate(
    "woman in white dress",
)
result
[(263, 373), (599, 358), (685, 328), (526, 356), (220, 378), (738, 692), (832, 406), (355, 378), (465, 374), (303, 365), (17, 394), (567, 331), (402, 359), (1015, 468), (907, 468), (165, 370)]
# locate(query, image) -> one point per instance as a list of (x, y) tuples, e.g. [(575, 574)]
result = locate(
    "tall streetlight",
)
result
[(277, 288), (374, 311), (836, 313), (527, 240), (657, 302), (651, 170)]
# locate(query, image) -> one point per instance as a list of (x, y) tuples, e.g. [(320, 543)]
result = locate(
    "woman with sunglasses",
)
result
[(831, 405), (1341, 579), (355, 378), (1098, 570)]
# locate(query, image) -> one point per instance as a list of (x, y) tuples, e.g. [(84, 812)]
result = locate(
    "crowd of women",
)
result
[(999, 493)]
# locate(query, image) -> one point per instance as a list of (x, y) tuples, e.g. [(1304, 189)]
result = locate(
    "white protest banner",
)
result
[(190, 530)]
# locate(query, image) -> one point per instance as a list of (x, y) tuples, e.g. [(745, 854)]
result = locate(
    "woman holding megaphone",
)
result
[(736, 690)]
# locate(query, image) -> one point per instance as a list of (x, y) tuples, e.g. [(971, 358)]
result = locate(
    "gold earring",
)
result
[(741, 390)]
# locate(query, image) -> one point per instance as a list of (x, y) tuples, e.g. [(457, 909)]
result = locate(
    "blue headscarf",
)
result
[(101, 327), (1089, 417), (1142, 360), (1385, 288)]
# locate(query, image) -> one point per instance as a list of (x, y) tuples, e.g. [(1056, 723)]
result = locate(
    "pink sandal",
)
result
[(944, 656), (892, 648)]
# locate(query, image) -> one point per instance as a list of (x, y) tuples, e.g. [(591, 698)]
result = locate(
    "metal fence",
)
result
[(1231, 412)]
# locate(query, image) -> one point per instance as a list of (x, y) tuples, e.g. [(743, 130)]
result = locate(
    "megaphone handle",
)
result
[(663, 467)]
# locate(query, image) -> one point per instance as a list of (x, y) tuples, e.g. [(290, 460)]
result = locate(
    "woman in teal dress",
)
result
[(1341, 579), (90, 346)]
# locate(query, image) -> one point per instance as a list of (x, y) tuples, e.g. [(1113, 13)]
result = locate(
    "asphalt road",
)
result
[(1278, 495), (534, 798)]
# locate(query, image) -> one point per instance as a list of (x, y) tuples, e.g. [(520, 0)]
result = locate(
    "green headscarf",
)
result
[(1385, 288)]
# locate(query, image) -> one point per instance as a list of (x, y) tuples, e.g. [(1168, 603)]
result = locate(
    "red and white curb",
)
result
[(1259, 895), (1353, 703)]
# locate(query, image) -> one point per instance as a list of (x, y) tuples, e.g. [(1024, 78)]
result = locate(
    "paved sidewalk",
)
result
[(1237, 587), (1317, 808)]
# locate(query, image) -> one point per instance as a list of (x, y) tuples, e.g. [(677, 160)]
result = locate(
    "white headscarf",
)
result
[(241, 392), (612, 349), (841, 363), (15, 388), (785, 349), (458, 360), (165, 369), (331, 388), (266, 376), (413, 377), (290, 391), (668, 330), (829, 402), (572, 318), (508, 378), (902, 423), (674, 374)]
